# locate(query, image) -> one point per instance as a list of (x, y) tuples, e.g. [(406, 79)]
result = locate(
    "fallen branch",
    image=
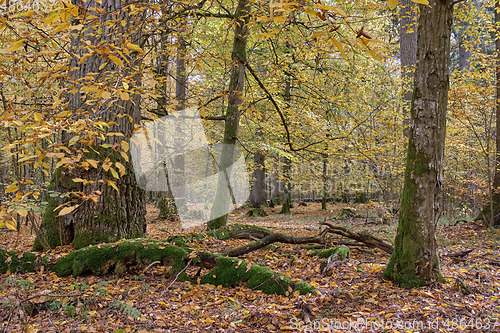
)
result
[(364, 238), (460, 255), (269, 239)]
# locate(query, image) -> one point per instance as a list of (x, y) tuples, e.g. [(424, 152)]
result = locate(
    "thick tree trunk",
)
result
[(119, 209), (408, 21), (232, 118), (414, 261)]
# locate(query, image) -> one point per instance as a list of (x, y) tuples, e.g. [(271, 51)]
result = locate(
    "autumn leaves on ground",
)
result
[(354, 297)]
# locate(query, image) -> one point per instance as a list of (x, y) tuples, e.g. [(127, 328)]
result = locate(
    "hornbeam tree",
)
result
[(232, 118), (414, 261)]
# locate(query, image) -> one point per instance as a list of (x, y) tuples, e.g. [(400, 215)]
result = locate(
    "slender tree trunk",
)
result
[(462, 36), (496, 182), (178, 180), (287, 199), (324, 193), (287, 166), (120, 209), (232, 119), (414, 261), (258, 194)]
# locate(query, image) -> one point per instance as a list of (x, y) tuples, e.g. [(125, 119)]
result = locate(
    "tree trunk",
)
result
[(491, 211), (119, 210), (408, 21), (463, 39), (496, 182), (287, 199), (258, 196), (324, 194), (178, 179), (232, 119), (414, 261)]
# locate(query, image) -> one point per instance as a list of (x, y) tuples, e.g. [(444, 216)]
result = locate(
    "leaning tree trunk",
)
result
[(414, 261), (232, 119), (109, 204)]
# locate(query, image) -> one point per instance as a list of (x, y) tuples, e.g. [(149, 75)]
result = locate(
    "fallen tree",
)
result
[(218, 269), (117, 257)]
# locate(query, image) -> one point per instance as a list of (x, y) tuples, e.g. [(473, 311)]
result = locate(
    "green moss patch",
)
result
[(342, 251), (100, 259), (16, 262), (231, 272)]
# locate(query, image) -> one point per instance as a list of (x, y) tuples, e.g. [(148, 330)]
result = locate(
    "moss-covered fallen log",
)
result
[(117, 257)]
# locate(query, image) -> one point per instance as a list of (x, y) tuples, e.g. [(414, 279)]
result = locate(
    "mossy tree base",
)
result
[(217, 223), (257, 212), (114, 216)]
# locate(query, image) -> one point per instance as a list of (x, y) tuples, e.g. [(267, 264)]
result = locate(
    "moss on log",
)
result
[(342, 252), (101, 259), (115, 257), (230, 272)]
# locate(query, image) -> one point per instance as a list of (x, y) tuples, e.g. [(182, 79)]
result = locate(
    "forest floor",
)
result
[(355, 298)]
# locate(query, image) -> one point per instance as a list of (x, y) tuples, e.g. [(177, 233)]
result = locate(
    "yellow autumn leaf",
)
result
[(114, 173), (124, 95), (423, 2), (38, 117), (67, 210), (23, 212), (73, 140), (392, 3), (125, 146), (12, 188), (106, 94), (61, 27), (113, 185), (121, 168), (124, 155), (11, 224), (134, 47), (280, 19), (14, 46), (339, 47), (93, 163), (116, 60)]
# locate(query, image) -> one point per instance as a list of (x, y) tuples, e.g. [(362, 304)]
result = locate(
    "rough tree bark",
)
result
[(232, 118), (116, 214), (408, 19), (414, 261)]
